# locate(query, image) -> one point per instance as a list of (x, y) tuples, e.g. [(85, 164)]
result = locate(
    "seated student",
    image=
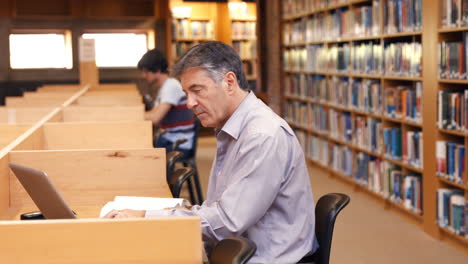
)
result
[(259, 185), (170, 110)]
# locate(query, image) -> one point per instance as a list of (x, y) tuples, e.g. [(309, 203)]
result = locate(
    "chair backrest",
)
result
[(326, 210), (232, 250)]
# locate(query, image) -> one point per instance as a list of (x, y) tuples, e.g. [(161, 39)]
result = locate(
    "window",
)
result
[(120, 49), (40, 50)]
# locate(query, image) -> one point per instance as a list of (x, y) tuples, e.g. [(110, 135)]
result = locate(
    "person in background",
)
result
[(170, 112), (259, 186)]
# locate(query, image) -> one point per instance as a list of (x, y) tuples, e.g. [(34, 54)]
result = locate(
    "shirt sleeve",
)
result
[(252, 186), (171, 92)]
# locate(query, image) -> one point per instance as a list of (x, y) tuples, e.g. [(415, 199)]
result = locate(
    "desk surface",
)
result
[(81, 212)]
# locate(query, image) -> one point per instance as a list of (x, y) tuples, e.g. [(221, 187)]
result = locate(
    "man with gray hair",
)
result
[(259, 186)]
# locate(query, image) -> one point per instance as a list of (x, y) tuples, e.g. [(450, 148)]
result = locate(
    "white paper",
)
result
[(140, 203)]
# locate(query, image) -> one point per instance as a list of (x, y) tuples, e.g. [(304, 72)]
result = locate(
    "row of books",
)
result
[(184, 28), (341, 159), (307, 86), (406, 146), (367, 134), (316, 149), (450, 158), (306, 115), (402, 16), (243, 29), (179, 48), (366, 58), (453, 59), (389, 180), (342, 23), (297, 7), (341, 125), (454, 13), (452, 211), (453, 109), (245, 49), (404, 102), (383, 178), (396, 59)]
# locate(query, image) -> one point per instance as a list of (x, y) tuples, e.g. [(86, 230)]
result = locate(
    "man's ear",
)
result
[(231, 81)]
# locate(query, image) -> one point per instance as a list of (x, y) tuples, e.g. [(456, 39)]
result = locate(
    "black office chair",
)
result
[(179, 177), (232, 250), (327, 209), (190, 160)]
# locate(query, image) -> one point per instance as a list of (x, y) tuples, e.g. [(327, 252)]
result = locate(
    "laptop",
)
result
[(42, 192)]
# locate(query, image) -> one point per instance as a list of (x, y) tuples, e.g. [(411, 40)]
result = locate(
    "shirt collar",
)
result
[(234, 124)]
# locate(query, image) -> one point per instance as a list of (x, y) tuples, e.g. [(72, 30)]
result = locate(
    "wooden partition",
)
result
[(114, 86), (60, 88), (9, 133), (21, 115), (97, 153), (157, 240), (76, 113), (101, 135), (87, 179), (109, 100), (49, 94), (32, 102)]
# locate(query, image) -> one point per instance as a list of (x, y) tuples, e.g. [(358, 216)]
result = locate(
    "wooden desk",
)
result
[(155, 240), (87, 179)]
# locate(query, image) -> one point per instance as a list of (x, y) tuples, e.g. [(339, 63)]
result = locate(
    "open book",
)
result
[(140, 203)]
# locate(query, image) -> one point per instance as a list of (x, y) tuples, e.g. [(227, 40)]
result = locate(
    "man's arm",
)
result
[(158, 113), (260, 165)]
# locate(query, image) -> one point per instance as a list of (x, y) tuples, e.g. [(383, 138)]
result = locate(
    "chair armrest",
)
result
[(171, 159), (179, 142), (179, 177)]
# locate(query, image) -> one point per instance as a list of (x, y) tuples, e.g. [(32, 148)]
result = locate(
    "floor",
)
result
[(365, 232)]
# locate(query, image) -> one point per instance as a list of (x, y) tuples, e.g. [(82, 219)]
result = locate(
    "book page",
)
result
[(140, 203)]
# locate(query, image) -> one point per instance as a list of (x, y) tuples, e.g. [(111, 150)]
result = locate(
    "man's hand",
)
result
[(126, 213)]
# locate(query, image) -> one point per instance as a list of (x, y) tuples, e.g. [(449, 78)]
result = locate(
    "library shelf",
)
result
[(453, 29), (453, 132), (452, 183), (402, 34), (401, 78), (426, 34), (403, 164), (452, 235), (453, 81)]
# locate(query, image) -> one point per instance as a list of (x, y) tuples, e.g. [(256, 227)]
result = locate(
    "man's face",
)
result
[(150, 76), (208, 100)]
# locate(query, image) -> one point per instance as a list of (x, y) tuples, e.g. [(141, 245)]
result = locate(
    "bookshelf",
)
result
[(244, 42), (244, 37), (362, 93), (451, 136), (187, 32)]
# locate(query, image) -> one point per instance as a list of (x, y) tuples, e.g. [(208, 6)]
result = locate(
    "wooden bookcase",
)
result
[(244, 42), (187, 32), (243, 37), (335, 132)]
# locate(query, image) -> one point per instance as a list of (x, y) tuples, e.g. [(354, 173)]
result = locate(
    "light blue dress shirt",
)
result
[(259, 187)]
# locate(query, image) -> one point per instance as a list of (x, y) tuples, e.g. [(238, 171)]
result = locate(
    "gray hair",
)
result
[(215, 57)]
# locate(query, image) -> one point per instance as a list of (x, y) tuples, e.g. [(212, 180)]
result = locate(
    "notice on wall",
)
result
[(87, 50)]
